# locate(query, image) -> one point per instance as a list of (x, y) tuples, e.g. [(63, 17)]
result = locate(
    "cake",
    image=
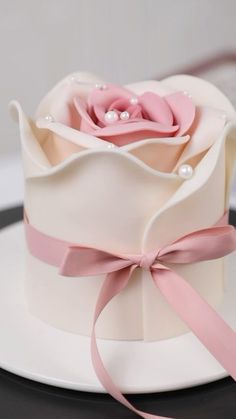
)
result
[(124, 184)]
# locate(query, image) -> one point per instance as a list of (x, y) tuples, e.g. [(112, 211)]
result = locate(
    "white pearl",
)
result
[(186, 93), (100, 86), (49, 118), (185, 171), (111, 146), (124, 116), (134, 100), (72, 79), (223, 116), (111, 116)]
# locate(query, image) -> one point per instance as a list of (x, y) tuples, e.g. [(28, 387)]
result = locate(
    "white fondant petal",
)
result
[(32, 138), (197, 204), (77, 137), (208, 126), (153, 86), (203, 92), (201, 200), (57, 99), (108, 196), (159, 153)]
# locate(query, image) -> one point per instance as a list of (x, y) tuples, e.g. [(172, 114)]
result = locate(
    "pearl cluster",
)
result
[(112, 116)]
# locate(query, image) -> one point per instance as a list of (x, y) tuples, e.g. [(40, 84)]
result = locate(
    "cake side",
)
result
[(69, 303)]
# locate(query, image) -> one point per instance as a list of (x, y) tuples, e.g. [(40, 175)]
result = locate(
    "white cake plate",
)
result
[(35, 350)]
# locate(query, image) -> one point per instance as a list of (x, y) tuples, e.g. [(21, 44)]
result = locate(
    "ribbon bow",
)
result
[(201, 318)]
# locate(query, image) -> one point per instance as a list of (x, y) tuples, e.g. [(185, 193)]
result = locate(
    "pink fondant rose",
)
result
[(117, 115), (155, 122)]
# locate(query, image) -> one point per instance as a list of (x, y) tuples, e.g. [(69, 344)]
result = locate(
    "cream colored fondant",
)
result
[(118, 200), (109, 196)]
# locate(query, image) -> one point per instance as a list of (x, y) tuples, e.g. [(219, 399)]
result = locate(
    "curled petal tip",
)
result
[(14, 110)]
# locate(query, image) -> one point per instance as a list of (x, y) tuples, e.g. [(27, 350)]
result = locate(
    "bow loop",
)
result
[(86, 261)]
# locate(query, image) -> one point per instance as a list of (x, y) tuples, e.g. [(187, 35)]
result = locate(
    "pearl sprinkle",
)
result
[(223, 116), (71, 79), (111, 116), (49, 118), (186, 93), (134, 100), (185, 171), (100, 86)]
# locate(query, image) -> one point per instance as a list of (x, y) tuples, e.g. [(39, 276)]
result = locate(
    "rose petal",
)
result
[(121, 127), (100, 100), (104, 97), (135, 111), (120, 104), (99, 114), (156, 108), (82, 110), (163, 112), (183, 110), (202, 91), (149, 127)]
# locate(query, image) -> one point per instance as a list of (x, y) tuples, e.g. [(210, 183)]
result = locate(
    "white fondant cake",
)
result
[(126, 170)]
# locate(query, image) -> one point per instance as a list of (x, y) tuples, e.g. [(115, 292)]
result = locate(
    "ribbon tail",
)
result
[(215, 334), (112, 285)]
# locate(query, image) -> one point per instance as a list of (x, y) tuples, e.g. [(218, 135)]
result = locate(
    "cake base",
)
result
[(35, 350)]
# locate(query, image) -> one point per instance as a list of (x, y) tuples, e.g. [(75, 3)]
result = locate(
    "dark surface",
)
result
[(24, 399)]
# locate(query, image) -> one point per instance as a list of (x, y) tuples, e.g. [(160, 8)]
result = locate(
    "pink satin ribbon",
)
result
[(207, 244)]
